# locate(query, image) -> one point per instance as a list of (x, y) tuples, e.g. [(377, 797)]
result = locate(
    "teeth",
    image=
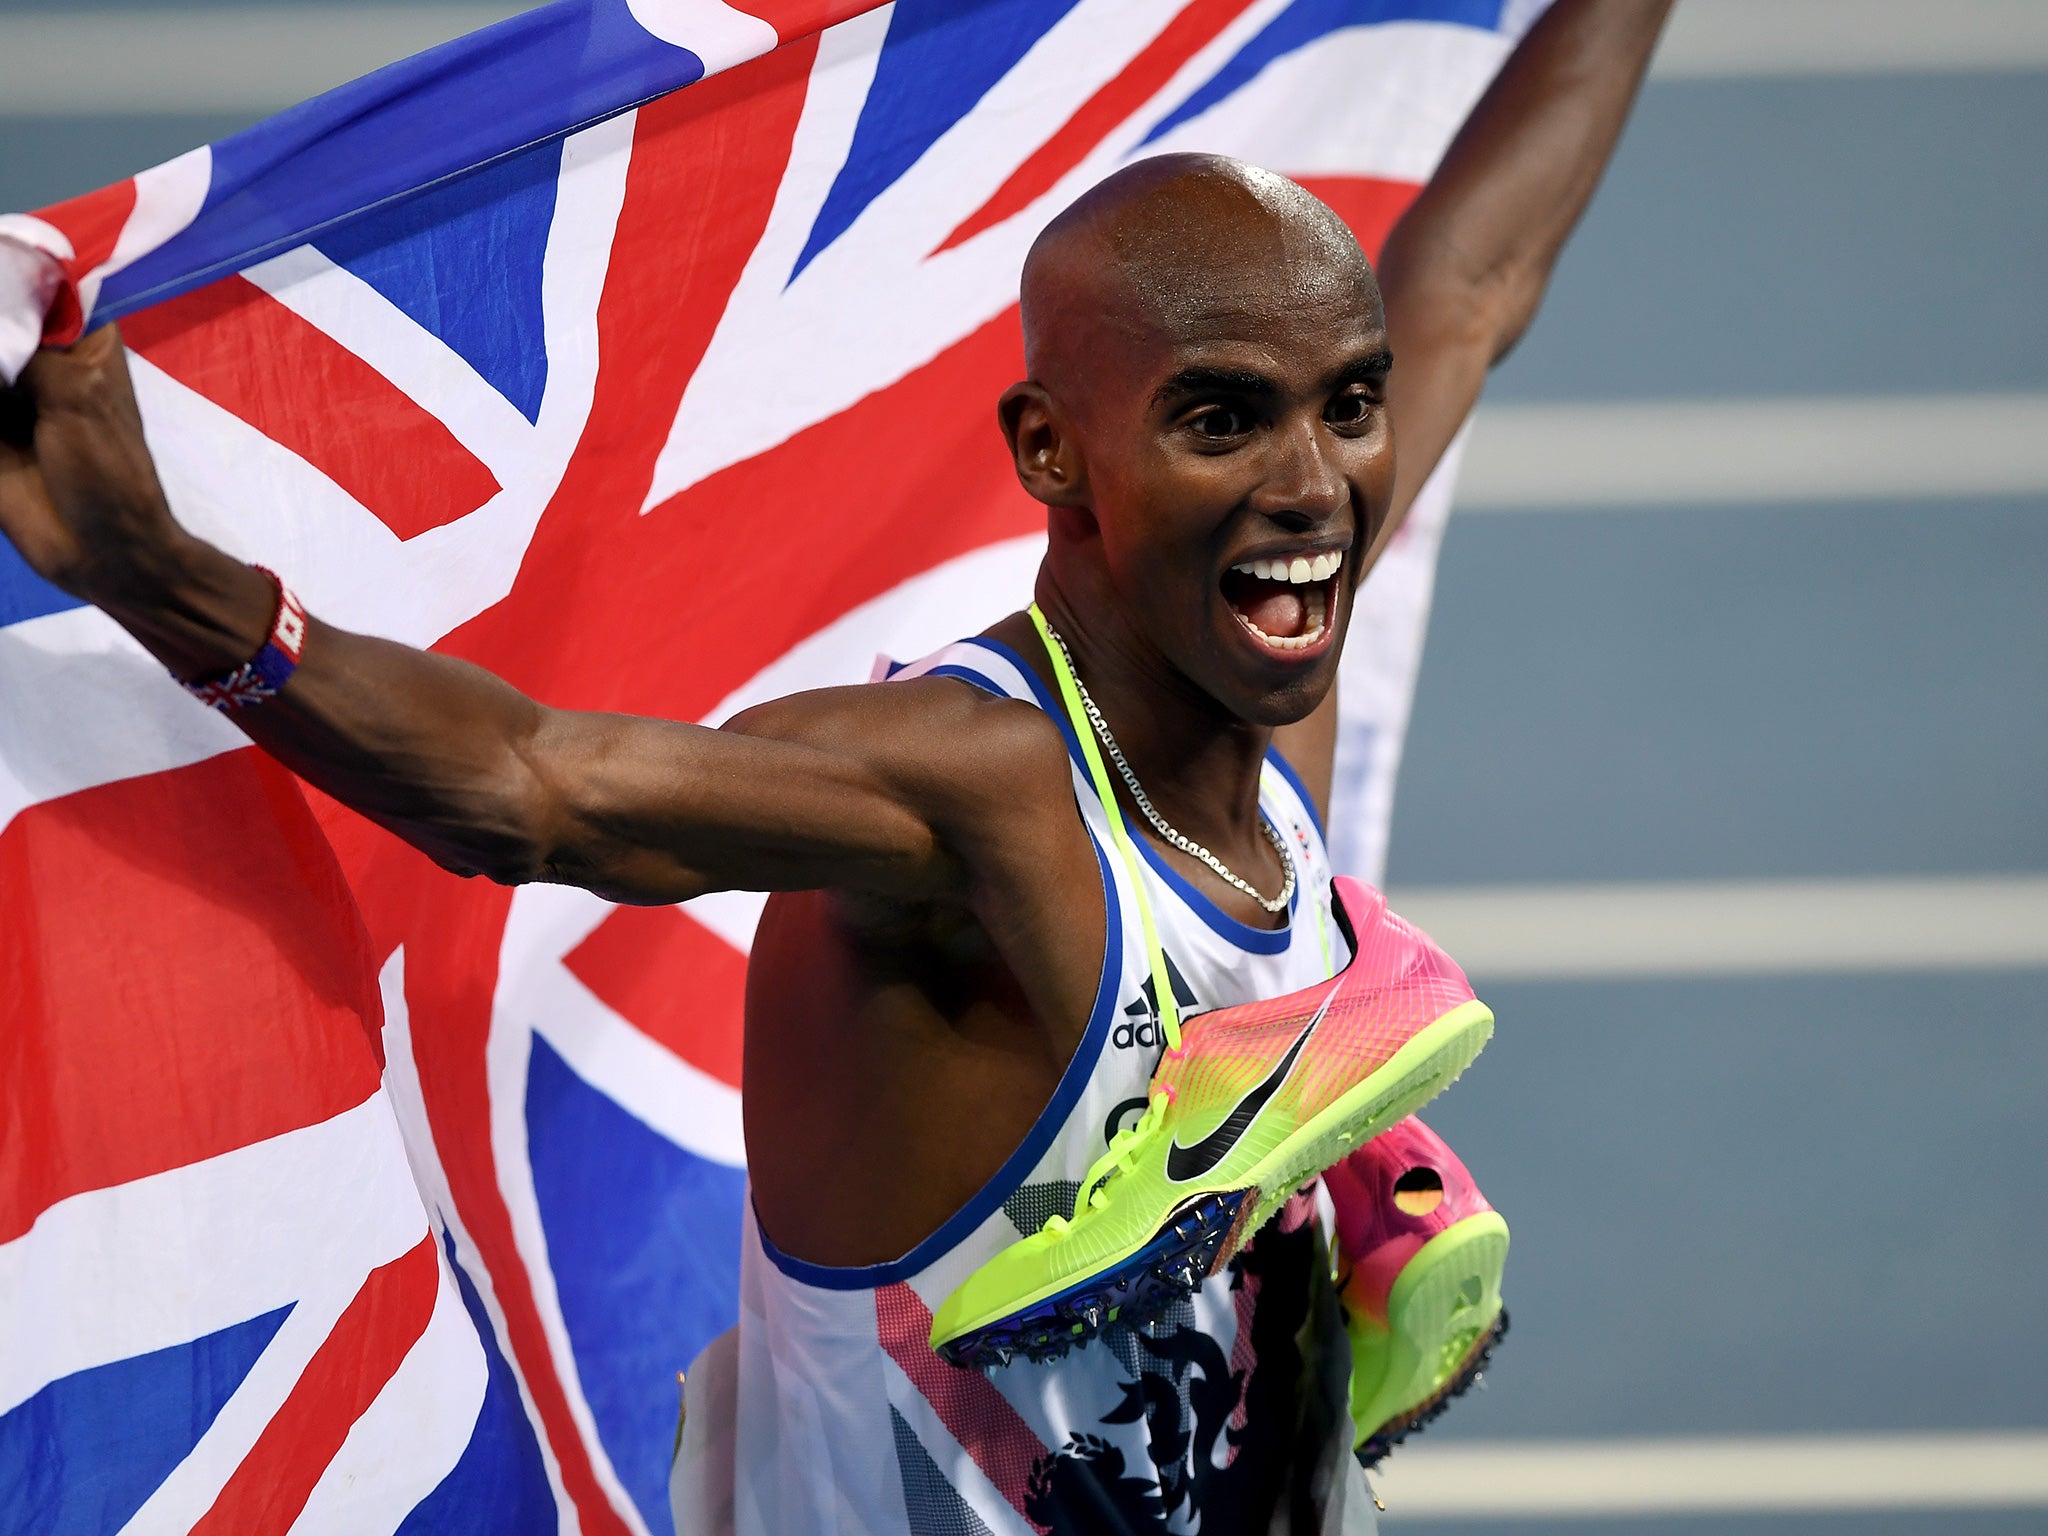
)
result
[(1301, 642), (1298, 571)]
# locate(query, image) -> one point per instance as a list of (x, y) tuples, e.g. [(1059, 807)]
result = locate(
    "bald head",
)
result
[(1171, 247)]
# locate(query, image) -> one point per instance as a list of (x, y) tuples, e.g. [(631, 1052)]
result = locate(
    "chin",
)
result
[(1298, 700), (1274, 685), (1287, 699)]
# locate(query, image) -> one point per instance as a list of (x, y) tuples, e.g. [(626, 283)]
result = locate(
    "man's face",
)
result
[(1239, 462)]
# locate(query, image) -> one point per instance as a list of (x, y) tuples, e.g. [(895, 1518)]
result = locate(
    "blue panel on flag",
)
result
[(464, 260), (644, 1239), (417, 123), (939, 59), (82, 1454), (24, 594), (1305, 21), (500, 1484)]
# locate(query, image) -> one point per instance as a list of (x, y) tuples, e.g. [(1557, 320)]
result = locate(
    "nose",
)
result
[(1303, 487)]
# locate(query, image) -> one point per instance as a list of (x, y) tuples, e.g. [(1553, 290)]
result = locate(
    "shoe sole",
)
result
[(1445, 1315), (1210, 1225), (1134, 1290)]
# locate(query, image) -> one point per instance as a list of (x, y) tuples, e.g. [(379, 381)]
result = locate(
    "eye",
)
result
[(1353, 408), (1219, 423)]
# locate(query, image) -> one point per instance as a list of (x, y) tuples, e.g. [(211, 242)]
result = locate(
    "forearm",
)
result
[(439, 751), (1465, 268), (1519, 174)]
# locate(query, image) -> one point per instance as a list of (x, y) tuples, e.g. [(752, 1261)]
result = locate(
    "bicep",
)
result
[(660, 811)]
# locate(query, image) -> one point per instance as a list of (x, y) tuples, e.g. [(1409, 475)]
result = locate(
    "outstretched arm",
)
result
[(829, 789), (1465, 268)]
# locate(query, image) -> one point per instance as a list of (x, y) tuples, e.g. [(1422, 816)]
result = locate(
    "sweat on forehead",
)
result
[(1171, 240)]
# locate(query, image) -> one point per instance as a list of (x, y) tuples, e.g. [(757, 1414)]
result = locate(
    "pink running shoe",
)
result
[(1420, 1255)]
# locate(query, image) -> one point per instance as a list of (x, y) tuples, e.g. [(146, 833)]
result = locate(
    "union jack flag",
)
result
[(643, 351)]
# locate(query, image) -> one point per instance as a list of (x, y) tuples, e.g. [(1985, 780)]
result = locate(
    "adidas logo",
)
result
[(1145, 1032), (1140, 1029)]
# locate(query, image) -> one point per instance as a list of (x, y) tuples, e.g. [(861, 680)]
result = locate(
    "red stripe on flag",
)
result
[(352, 1365), (1369, 205), (673, 979), (967, 1403), (93, 224), (249, 354), (1188, 33), (189, 976)]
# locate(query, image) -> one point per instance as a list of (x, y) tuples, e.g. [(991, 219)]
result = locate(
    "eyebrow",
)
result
[(1215, 381), (1361, 370), (1365, 368)]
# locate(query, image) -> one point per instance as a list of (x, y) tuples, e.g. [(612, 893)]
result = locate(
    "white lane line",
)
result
[(213, 58), (1734, 928), (1565, 457), (1550, 1480), (1708, 39)]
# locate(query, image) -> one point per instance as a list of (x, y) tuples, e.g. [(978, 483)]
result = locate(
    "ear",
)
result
[(1042, 446)]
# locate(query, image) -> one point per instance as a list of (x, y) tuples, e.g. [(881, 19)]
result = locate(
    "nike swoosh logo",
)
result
[(1184, 1163)]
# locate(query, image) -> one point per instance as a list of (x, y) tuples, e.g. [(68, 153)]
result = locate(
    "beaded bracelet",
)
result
[(263, 674)]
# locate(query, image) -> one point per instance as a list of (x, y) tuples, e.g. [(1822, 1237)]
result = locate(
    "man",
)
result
[(937, 985)]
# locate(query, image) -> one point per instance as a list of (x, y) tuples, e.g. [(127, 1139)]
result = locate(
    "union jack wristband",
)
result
[(263, 674)]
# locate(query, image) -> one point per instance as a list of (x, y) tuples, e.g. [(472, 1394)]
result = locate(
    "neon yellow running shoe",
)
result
[(1256, 1101), (1419, 1261)]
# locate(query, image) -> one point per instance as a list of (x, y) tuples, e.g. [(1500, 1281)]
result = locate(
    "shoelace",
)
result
[(1123, 1147)]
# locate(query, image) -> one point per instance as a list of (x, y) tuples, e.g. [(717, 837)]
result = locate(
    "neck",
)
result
[(1199, 764)]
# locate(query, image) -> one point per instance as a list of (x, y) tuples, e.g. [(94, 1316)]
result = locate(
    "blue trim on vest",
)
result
[(980, 680), (1054, 709), (1018, 1165), (1300, 790), (1260, 941)]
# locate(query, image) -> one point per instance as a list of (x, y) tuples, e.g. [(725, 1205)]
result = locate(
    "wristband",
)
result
[(263, 674)]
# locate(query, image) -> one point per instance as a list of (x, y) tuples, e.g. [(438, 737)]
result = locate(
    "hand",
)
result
[(79, 495)]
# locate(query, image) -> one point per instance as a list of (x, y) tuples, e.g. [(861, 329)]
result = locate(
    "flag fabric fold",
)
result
[(644, 353)]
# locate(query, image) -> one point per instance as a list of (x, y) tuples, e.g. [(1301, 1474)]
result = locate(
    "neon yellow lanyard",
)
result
[(1119, 832)]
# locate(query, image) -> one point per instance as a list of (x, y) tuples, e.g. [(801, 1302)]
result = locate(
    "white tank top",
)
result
[(848, 1423)]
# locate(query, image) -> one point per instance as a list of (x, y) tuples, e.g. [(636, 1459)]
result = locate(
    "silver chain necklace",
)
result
[(1179, 840)]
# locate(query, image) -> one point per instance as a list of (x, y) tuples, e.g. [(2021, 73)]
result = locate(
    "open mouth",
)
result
[(1286, 604)]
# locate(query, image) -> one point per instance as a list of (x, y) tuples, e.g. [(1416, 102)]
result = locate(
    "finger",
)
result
[(89, 376), (17, 416), (21, 482)]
